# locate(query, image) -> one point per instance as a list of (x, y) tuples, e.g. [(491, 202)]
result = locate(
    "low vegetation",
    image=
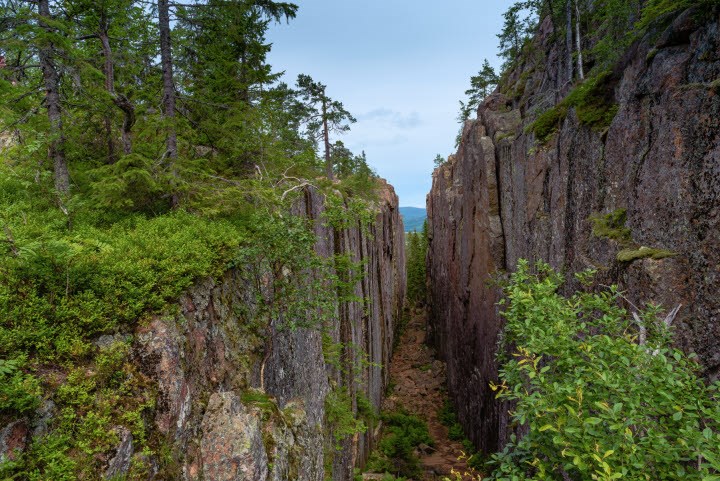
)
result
[(448, 417), (395, 454), (598, 399), (593, 102)]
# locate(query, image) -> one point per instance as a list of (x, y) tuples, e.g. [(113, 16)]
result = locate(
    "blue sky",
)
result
[(399, 67)]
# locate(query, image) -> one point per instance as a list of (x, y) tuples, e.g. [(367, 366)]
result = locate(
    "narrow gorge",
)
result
[(199, 281)]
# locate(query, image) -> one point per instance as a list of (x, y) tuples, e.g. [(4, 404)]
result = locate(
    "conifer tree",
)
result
[(47, 53), (324, 116), (480, 87)]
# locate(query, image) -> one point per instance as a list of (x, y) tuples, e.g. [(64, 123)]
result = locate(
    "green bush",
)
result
[(595, 402), (395, 454), (340, 416), (19, 392)]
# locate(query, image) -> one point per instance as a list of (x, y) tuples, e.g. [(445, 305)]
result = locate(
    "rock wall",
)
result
[(235, 404), (239, 393), (506, 196)]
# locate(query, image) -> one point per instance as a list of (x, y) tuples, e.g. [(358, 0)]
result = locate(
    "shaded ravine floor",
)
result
[(419, 387)]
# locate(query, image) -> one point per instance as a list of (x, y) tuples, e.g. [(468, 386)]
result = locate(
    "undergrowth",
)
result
[(395, 454), (597, 400)]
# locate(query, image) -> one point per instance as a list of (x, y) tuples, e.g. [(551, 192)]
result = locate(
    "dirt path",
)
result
[(419, 381)]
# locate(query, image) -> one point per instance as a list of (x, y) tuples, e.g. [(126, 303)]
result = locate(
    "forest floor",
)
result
[(419, 387)]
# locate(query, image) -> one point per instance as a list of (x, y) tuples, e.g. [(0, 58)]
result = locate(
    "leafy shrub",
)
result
[(340, 415), (596, 403), (19, 392)]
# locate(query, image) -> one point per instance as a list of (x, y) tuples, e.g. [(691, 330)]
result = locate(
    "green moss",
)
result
[(259, 399), (506, 135), (611, 226), (548, 122), (632, 254), (594, 104)]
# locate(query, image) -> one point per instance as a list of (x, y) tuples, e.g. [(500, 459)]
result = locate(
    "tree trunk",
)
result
[(326, 138), (578, 42), (120, 101), (108, 70), (51, 78), (168, 102), (568, 40), (129, 110)]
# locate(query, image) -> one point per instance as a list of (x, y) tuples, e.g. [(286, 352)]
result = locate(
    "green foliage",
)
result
[(655, 9), (342, 212), (448, 418), (340, 415), (19, 391), (519, 23), (417, 245), (395, 453), (481, 85), (547, 123), (596, 403), (365, 408), (67, 284), (593, 102)]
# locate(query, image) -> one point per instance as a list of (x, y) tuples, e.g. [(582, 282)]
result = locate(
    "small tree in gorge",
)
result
[(324, 116)]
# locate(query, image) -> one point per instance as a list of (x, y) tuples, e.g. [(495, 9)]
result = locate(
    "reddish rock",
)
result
[(223, 343), (232, 444), (13, 439), (504, 197)]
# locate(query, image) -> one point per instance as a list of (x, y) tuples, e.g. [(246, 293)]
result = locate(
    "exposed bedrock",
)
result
[(506, 196)]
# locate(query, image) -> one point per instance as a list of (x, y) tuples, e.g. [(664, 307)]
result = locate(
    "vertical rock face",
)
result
[(241, 396), (505, 196)]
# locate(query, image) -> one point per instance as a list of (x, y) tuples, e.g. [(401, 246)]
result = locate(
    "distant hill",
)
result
[(413, 218)]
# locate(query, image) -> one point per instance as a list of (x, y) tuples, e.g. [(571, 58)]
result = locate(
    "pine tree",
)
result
[(480, 87), (324, 116)]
